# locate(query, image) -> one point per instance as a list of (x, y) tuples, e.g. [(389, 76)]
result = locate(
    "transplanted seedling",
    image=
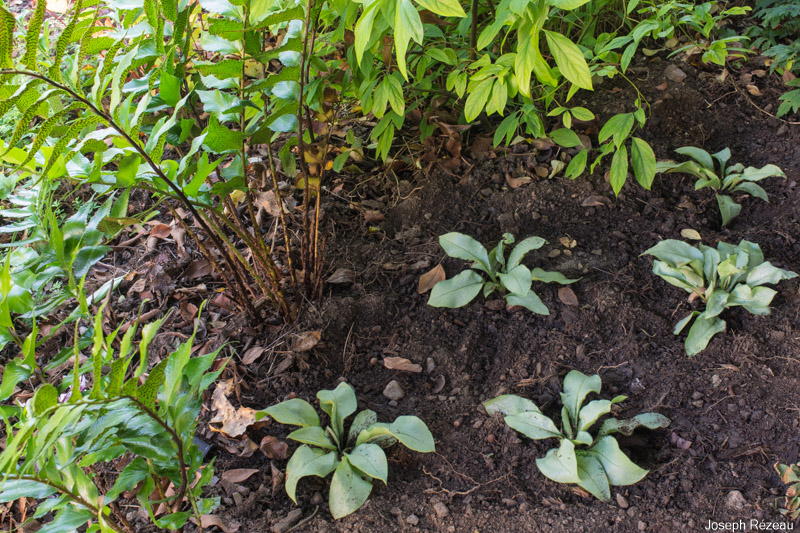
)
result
[(507, 276), (594, 463), (355, 457), (722, 277), (735, 178)]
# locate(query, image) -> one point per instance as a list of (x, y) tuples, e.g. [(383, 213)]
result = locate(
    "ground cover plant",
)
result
[(722, 277), (595, 463), (294, 164), (355, 456), (508, 276), (726, 179)]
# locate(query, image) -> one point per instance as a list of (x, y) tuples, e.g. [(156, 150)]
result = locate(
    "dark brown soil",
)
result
[(737, 403)]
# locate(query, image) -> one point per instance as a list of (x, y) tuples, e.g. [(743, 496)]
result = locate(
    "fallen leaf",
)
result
[(303, 342), (431, 278), (268, 202), (401, 363), (274, 448), (160, 231), (371, 215), (516, 183), (188, 311), (209, 520), (556, 167), (567, 296), (691, 234), (760, 73), (616, 90), (342, 276), (252, 354), (595, 201), (662, 87), (229, 420), (752, 89), (198, 269), (277, 479), (237, 475)]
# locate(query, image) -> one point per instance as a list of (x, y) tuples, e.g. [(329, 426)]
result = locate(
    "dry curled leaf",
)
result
[(342, 276), (160, 231), (431, 278), (237, 475), (567, 296), (401, 363), (595, 201), (209, 520), (691, 234), (268, 202), (229, 421), (680, 442), (302, 342), (752, 89), (252, 354), (274, 448), (516, 183)]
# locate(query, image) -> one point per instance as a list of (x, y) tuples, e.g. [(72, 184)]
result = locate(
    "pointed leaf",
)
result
[(533, 425), (510, 404), (370, 459), (619, 469), (295, 412), (457, 291), (349, 490), (307, 461), (560, 464)]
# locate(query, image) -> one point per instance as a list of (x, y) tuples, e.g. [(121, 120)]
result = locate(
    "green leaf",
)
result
[(537, 274), (701, 332), (313, 435), (560, 464), (617, 127), (68, 519), (407, 26), (522, 248), (627, 427), (221, 140), (363, 29), (457, 291), (569, 59), (14, 372), (576, 387), (130, 476), (753, 190), (728, 208), (676, 253), (295, 412), (577, 165), (307, 461), (566, 138), (509, 404), (619, 169), (533, 425), (644, 162), (593, 410), (620, 470), (370, 459), (767, 273), (530, 301), (362, 421), (348, 490), (479, 93), (13, 489), (682, 323), (45, 397), (444, 8), (465, 247), (410, 431), (698, 154), (581, 113), (593, 477), (567, 4), (338, 404), (517, 280)]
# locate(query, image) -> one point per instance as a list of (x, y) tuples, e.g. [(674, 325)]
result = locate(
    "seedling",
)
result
[(355, 457), (724, 277), (735, 178), (508, 276), (790, 474), (594, 463)]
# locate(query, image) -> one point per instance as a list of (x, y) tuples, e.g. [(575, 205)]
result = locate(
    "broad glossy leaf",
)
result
[(510, 404), (464, 247), (476, 99), (530, 301), (69, 518), (728, 208), (407, 26), (682, 323), (617, 127), (576, 387), (577, 165), (560, 464), (619, 169), (756, 300), (533, 425), (445, 8), (593, 477), (701, 332), (675, 253), (627, 427), (313, 435), (370, 459), (717, 303), (753, 190), (569, 59), (758, 174), (620, 470), (567, 4), (307, 461), (457, 291), (13, 489), (566, 138), (699, 155), (517, 280), (644, 162), (348, 490), (595, 409), (295, 412), (523, 247), (767, 274), (408, 430)]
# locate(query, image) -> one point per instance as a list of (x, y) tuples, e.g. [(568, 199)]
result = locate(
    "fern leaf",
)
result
[(26, 91), (32, 36), (61, 146), (63, 41), (7, 23), (27, 116), (45, 129)]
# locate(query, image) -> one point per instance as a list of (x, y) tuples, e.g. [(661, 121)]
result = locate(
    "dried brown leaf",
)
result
[(752, 89), (372, 215), (431, 278), (268, 202), (210, 520), (252, 354), (595, 201), (691, 234), (516, 183), (237, 475), (274, 448), (567, 296), (160, 231), (198, 269), (342, 276), (229, 420), (401, 363), (302, 342)]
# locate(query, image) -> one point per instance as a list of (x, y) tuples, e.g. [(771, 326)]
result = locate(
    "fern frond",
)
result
[(7, 23), (32, 36), (63, 41), (44, 130)]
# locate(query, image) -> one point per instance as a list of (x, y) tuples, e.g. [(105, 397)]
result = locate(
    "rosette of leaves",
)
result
[(595, 463), (66, 433), (790, 474), (505, 275), (735, 178), (721, 277), (355, 456)]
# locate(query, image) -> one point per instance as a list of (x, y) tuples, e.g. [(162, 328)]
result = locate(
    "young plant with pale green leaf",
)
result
[(790, 474), (113, 422), (507, 276), (595, 463), (735, 178), (354, 455), (721, 277)]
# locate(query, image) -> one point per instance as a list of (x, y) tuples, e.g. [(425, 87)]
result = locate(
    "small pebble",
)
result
[(441, 510), (622, 502), (413, 519), (394, 391)]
